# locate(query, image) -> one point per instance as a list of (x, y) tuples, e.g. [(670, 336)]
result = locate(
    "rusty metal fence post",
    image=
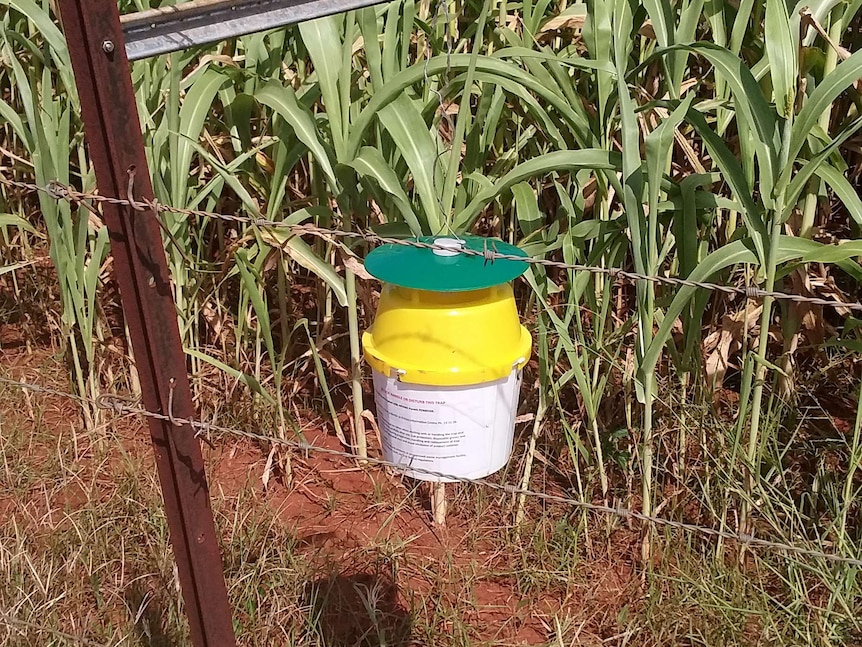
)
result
[(116, 146)]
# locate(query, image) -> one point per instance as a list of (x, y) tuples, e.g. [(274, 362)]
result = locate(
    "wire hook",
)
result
[(172, 384), (130, 194)]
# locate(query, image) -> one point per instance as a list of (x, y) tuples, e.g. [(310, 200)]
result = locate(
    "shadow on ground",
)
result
[(150, 618), (348, 610)]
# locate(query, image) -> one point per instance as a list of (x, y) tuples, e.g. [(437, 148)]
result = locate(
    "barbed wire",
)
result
[(60, 191), (124, 405)]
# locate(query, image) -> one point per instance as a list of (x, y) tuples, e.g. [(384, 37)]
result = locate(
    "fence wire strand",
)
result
[(124, 405), (60, 191)]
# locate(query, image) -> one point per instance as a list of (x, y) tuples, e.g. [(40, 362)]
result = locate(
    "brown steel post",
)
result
[(110, 114)]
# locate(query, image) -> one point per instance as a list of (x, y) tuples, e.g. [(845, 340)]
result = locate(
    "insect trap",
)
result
[(447, 350)]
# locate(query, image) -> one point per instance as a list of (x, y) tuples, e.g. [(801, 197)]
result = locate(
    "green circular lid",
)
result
[(445, 270)]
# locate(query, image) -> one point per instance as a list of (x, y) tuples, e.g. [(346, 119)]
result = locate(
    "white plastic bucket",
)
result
[(461, 431)]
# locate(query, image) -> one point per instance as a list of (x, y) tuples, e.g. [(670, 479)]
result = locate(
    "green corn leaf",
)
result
[(252, 282), (282, 99), (662, 20), (842, 77), (598, 37), (416, 145), (47, 27), (568, 60), (527, 208), (321, 377), (7, 269), (8, 114), (302, 253), (11, 220), (735, 177), (529, 104), (658, 146), (322, 38), (249, 380), (395, 88), (193, 114), (845, 191), (229, 177), (226, 174), (394, 28), (748, 101), (370, 163), (781, 51), (685, 224), (813, 166), (589, 158), (686, 29), (741, 25), (462, 121), (643, 240), (789, 248), (26, 97), (371, 43), (834, 253), (567, 345)]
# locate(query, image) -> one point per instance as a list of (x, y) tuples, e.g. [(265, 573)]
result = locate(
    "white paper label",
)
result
[(464, 431)]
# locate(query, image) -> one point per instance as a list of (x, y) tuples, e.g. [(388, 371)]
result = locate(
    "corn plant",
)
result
[(779, 137), (47, 131), (699, 139)]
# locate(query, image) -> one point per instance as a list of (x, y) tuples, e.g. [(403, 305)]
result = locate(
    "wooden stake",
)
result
[(438, 503)]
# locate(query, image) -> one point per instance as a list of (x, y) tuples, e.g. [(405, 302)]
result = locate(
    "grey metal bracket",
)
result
[(199, 22)]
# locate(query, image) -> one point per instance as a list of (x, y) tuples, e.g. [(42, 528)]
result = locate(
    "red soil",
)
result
[(339, 511)]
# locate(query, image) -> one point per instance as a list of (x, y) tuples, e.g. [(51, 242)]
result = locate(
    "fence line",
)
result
[(125, 405), (60, 191)]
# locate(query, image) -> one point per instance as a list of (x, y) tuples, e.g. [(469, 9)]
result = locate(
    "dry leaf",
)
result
[(647, 30), (267, 470), (336, 366), (224, 59), (264, 162), (721, 344), (563, 21), (339, 431), (357, 267), (367, 415)]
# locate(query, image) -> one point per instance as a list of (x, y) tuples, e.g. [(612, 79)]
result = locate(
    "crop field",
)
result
[(687, 465)]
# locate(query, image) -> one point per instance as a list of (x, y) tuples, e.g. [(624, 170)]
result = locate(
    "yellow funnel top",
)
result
[(447, 338)]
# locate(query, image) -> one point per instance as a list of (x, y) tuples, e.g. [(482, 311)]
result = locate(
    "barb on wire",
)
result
[(123, 405), (54, 189)]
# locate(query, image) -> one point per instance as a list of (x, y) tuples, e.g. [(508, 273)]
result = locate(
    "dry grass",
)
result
[(346, 557)]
